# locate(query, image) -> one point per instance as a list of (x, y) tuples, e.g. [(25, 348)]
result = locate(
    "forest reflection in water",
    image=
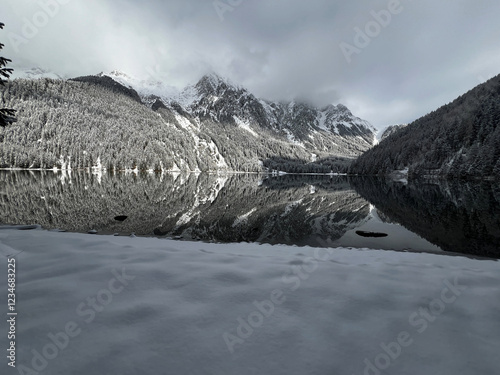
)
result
[(457, 216), (321, 211)]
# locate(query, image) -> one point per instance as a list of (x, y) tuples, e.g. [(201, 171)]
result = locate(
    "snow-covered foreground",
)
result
[(119, 305)]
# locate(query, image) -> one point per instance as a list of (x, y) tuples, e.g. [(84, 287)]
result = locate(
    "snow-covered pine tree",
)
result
[(6, 114)]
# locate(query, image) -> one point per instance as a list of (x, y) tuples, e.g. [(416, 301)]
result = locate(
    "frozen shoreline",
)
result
[(198, 308)]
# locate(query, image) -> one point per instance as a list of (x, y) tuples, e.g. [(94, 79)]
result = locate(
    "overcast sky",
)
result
[(424, 55)]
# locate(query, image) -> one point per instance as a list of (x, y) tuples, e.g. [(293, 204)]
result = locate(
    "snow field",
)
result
[(197, 308)]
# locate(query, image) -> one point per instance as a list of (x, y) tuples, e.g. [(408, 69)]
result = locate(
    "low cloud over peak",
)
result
[(407, 57)]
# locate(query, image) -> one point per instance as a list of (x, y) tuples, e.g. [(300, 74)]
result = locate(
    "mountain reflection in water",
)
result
[(293, 210)]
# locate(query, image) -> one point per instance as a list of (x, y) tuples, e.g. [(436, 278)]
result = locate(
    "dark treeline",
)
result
[(326, 165), (459, 140)]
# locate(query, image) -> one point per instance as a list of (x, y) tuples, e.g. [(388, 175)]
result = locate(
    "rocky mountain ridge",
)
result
[(102, 122), (216, 98)]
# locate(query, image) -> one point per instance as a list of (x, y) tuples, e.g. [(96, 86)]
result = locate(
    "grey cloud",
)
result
[(429, 53)]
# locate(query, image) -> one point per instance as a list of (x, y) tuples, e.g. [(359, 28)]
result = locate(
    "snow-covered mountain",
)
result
[(145, 88), (215, 98), (211, 125)]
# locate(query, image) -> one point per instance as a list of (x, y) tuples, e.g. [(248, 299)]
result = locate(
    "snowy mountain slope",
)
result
[(212, 125), (144, 87), (215, 98), (339, 118), (298, 122)]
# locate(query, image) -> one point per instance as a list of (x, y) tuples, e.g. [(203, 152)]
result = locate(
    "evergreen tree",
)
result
[(6, 115)]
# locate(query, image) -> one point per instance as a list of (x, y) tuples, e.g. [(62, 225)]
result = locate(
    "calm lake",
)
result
[(320, 211)]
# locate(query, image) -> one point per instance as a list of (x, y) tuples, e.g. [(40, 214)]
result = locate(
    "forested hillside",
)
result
[(75, 125), (95, 122), (459, 140)]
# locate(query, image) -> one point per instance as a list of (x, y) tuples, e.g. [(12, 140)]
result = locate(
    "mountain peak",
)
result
[(343, 108), (212, 82), (119, 73), (328, 108), (337, 109)]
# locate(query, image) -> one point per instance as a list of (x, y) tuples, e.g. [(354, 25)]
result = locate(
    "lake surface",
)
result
[(320, 211)]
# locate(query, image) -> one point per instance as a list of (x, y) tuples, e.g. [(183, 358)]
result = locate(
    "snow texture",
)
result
[(195, 308)]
